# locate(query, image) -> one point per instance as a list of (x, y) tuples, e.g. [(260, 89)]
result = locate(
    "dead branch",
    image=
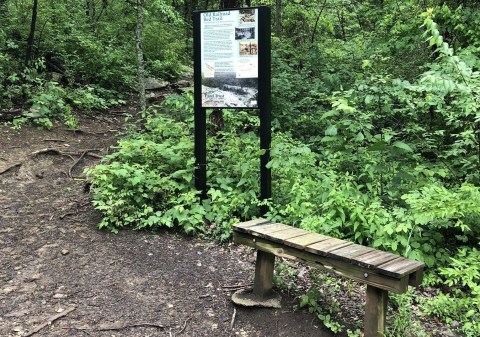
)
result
[(233, 318), (54, 140), (89, 132), (184, 326), (237, 286), (75, 163), (52, 152), (50, 321), (120, 326), (69, 155), (10, 168)]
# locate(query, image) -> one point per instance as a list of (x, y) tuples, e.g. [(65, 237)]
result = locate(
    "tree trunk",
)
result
[(140, 63), (31, 36), (316, 22), (278, 18)]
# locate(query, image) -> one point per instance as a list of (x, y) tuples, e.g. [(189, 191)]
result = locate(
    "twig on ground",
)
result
[(237, 286), (126, 326), (76, 162), (233, 318), (55, 140), (183, 328), (89, 132), (51, 151), (118, 326), (10, 168), (50, 321), (61, 217)]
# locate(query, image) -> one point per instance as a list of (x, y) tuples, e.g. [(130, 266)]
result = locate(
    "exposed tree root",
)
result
[(50, 321), (70, 155), (10, 168)]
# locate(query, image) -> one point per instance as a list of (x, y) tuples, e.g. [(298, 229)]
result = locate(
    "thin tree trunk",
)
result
[(140, 63), (278, 18), (316, 22), (31, 36)]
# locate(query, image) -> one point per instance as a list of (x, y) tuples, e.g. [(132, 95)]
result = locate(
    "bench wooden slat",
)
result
[(266, 229), (351, 251), (323, 247), (301, 242), (283, 236), (251, 223), (373, 259), (400, 267)]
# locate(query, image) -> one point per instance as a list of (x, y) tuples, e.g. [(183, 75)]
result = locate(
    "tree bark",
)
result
[(278, 18), (316, 22), (140, 62), (31, 36)]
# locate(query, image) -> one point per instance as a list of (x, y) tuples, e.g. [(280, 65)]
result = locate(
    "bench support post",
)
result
[(375, 312), (264, 274)]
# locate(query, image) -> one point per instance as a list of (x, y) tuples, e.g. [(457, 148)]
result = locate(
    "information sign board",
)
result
[(229, 51), (232, 70)]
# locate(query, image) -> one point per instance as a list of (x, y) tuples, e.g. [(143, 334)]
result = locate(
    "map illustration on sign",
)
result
[(229, 58)]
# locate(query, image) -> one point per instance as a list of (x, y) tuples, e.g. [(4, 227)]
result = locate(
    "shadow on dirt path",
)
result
[(56, 266)]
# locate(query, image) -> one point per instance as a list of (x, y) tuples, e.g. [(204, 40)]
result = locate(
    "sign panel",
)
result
[(229, 52)]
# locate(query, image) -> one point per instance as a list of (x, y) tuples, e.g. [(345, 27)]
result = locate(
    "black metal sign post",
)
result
[(232, 71)]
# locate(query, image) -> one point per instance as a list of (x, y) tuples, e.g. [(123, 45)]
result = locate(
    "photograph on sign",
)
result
[(229, 58)]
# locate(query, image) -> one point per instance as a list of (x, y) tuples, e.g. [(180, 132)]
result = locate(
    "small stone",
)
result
[(59, 296), (65, 251), (199, 264)]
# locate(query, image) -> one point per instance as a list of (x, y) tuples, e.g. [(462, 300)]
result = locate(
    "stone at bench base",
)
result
[(247, 298)]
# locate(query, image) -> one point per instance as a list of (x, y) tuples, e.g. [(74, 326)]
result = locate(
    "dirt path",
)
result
[(56, 266)]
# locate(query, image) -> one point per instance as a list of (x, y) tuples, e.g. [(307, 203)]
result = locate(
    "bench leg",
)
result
[(375, 312), (264, 274)]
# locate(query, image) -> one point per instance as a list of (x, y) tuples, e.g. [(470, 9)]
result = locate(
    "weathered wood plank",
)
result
[(250, 223), (373, 259), (301, 242), (282, 236), (350, 251), (375, 312), (400, 267), (264, 267), (323, 247), (342, 268), (268, 228)]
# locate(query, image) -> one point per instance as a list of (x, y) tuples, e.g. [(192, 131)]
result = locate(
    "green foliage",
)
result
[(324, 306), (147, 182), (285, 276), (458, 301), (403, 322)]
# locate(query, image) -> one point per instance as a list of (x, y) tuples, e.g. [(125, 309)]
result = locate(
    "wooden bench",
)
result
[(381, 271)]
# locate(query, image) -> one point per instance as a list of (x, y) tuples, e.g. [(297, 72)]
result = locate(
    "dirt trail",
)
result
[(55, 265)]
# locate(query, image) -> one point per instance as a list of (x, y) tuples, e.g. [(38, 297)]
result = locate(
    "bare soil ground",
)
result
[(60, 276)]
